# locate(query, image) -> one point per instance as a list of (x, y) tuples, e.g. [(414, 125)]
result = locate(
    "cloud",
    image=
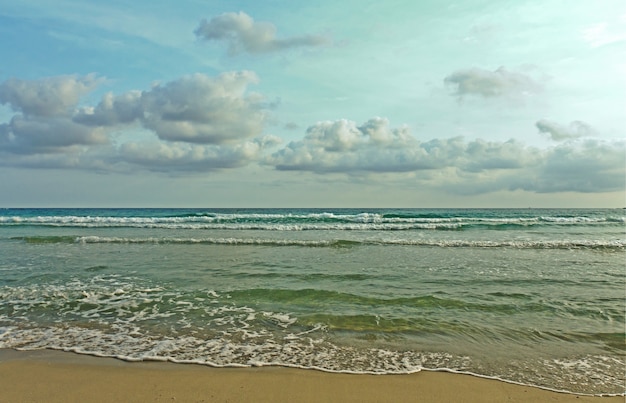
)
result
[(53, 96), (581, 167), (29, 135), (587, 166), (454, 165), (342, 146), (201, 109), (168, 157), (557, 132), (112, 110), (203, 124), (487, 84), (199, 123), (195, 109), (43, 123), (242, 33)]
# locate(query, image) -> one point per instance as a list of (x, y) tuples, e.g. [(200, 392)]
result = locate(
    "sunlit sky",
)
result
[(506, 103)]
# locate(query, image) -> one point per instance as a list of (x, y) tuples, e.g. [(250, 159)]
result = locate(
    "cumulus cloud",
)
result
[(201, 109), (112, 110), (26, 135), (242, 33), (53, 96), (195, 109), (43, 123), (342, 146), (199, 122), (586, 166), (461, 166), (202, 124), (487, 84), (558, 132), (167, 157)]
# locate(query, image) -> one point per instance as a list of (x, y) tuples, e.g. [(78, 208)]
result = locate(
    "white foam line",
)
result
[(314, 368)]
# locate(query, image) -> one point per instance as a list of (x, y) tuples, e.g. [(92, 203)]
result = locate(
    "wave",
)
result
[(336, 243), (308, 221), (127, 323)]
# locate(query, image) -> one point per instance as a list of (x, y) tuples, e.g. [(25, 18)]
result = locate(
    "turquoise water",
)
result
[(529, 296)]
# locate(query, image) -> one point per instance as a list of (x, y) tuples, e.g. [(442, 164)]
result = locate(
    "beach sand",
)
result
[(54, 376)]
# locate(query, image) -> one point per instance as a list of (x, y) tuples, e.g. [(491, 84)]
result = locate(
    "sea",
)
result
[(529, 296)]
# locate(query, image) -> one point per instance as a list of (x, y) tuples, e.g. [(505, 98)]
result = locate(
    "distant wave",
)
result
[(309, 221), (337, 243)]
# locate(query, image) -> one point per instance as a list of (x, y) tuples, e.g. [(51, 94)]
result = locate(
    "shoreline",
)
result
[(57, 376)]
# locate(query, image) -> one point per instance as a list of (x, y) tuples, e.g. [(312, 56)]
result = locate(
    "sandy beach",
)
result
[(53, 376)]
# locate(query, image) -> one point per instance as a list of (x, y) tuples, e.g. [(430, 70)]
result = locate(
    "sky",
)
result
[(401, 103)]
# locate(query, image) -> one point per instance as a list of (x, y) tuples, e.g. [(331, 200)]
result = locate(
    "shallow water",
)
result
[(530, 296)]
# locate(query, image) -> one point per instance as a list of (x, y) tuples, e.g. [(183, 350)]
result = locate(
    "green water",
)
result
[(535, 297)]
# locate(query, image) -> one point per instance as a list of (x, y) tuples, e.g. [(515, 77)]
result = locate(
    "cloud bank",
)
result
[(454, 164), (243, 34), (201, 123), (342, 146), (165, 157), (198, 123)]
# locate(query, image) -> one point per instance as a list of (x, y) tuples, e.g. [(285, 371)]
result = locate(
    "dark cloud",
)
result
[(242, 33), (489, 84), (558, 132)]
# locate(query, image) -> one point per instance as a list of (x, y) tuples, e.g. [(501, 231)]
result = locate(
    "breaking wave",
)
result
[(335, 243)]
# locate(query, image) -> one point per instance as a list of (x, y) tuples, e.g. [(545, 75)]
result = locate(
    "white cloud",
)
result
[(43, 123), (168, 157), (342, 146), (459, 166), (112, 110), (242, 33), (203, 124), (53, 96), (558, 132), (199, 123), (485, 83), (585, 166), (201, 109), (27, 135), (196, 109)]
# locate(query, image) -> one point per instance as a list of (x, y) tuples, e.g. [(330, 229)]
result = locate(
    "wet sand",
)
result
[(54, 376)]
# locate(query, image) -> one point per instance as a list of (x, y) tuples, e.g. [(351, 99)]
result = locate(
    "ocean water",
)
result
[(529, 296)]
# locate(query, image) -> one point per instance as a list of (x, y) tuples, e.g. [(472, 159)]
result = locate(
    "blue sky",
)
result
[(341, 104)]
